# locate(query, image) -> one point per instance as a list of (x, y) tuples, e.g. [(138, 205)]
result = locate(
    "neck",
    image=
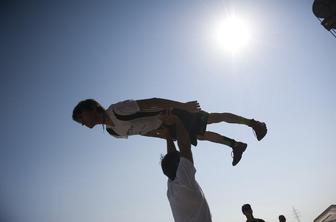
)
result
[(104, 119), (250, 218)]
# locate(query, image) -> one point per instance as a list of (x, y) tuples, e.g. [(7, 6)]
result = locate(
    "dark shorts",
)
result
[(195, 123)]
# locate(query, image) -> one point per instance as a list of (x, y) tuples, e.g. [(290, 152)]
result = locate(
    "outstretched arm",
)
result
[(158, 104)]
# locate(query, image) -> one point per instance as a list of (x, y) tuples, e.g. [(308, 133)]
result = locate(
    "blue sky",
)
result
[(55, 54)]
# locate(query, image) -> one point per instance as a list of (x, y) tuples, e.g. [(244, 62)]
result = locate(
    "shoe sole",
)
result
[(242, 151)]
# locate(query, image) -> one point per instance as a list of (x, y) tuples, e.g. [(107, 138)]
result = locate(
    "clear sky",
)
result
[(53, 55)]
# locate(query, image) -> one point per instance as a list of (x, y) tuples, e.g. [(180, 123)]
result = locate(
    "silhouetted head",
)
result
[(247, 210), (282, 218), (87, 112), (169, 164)]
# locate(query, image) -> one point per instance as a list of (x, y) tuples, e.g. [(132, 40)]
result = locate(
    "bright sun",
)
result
[(231, 34)]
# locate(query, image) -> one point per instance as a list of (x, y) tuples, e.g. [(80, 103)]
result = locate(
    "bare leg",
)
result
[(208, 136), (238, 148), (217, 138), (259, 128), (228, 117)]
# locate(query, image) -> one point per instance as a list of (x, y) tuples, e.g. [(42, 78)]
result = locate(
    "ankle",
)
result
[(233, 143), (251, 122)]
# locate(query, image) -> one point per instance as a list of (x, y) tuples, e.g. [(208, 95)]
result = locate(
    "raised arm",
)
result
[(170, 143), (158, 104), (183, 140)]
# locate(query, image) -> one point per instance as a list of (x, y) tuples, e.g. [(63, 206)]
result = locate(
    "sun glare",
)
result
[(231, 34)]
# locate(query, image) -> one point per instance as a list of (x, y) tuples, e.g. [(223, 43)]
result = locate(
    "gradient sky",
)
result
[(54, 54)]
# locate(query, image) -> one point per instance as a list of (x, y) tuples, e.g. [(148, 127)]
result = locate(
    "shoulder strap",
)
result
[(135, 115), (112, 132)]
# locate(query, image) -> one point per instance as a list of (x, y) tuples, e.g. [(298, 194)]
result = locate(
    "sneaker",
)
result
[(259, 129), (237, 152)]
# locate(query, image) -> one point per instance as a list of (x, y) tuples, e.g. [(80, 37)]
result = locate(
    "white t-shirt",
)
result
[(137, 126), (186, 197)]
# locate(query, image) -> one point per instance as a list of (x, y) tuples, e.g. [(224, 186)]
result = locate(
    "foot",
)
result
[(237, 152), (259, 129)]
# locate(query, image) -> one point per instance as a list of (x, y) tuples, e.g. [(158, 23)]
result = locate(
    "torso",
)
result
[(186, 197), (136, 125)]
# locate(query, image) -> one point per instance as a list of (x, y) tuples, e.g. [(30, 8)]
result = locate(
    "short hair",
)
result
[(169, 164), (85, 105), (282, 217), (246, 207)]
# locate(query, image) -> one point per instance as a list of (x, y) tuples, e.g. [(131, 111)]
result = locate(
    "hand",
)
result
[(192, 106)]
